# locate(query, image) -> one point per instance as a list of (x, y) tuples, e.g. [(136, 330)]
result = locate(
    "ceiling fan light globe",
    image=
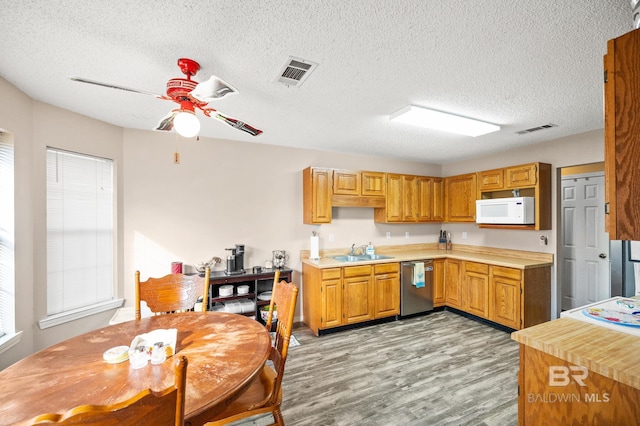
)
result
[(186, 124)]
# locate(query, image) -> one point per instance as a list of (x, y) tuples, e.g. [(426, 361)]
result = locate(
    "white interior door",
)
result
[(584, 242)]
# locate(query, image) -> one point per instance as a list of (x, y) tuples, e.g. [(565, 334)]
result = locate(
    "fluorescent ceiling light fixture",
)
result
[(443, 121)]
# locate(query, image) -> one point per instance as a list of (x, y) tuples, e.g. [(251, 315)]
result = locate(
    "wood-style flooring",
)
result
[(437, 369)]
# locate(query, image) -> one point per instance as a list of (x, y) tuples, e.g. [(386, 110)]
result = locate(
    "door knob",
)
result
[(602, 256)]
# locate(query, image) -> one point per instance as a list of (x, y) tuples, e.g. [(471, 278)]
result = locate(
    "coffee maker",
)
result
[(235, 261)]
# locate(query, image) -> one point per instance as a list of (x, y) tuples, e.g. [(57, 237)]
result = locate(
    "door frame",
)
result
[(582, 170)]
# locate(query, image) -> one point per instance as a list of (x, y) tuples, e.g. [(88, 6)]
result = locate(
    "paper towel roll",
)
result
[(315, 247)]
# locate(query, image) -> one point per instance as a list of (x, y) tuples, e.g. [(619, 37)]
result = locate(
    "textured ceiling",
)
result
[(513, 63)]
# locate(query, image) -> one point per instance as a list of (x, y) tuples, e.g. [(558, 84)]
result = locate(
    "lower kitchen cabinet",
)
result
[(453, 283), (475, 288), (335, 297), (357, 284), (515, 298), (331, 291), (504, 295), (386, 289), (439, 298)]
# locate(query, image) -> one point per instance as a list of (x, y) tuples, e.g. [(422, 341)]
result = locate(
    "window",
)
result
[(80, 236), (7, 258)]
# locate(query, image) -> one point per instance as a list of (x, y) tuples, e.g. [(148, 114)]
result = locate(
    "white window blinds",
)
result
[(80, 234)]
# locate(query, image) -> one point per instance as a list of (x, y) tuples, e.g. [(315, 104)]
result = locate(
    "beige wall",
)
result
[(222, 193), (35, 126)]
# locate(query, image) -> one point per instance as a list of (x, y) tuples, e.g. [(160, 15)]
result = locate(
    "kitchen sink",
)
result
[(361, 258)]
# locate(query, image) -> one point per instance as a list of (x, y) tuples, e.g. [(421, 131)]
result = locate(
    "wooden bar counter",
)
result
[(573, 372)]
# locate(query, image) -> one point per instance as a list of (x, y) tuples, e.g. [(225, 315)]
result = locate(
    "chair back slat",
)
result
[(172, 293)]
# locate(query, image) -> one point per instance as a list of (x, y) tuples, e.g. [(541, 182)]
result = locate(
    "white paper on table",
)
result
[(168, 337)]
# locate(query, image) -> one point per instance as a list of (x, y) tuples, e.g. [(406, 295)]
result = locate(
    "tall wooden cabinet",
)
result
[(622, 136)]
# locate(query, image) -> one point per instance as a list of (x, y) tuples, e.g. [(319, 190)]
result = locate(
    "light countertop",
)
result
[(499, 257), (609, 353)]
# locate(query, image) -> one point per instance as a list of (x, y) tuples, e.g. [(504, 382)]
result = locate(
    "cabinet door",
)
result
[(373, 184), (521, 176), (358, 299), (425, 198), (394, 203), (437, 200), (461, 194), (346, 182), (386, 288), (622, 136), (491, 180), (505, 295), (438, 282), (316, 195), (331, 303), (476, 289), (452, 278), (410, 201)]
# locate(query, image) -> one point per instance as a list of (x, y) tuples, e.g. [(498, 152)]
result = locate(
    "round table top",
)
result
[(225, 352)]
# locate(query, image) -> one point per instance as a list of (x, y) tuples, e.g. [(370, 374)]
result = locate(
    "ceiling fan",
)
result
[(189, 94)]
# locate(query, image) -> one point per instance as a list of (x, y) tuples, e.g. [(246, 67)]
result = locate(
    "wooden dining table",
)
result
[(225, 353)]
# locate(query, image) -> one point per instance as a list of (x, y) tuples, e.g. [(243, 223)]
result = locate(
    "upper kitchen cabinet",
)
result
[(411, 199), (460, 196), (355, 188), (430, 199), (316, 195), (622, 136), (525, 180)]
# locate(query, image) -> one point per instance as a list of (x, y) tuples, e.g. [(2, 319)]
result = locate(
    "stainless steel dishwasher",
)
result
[(415, 298)]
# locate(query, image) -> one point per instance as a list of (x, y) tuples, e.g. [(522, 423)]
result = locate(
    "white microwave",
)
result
[(506, 211)]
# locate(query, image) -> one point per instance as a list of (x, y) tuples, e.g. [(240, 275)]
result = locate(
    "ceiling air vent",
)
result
[(535, 129), (296, 71)]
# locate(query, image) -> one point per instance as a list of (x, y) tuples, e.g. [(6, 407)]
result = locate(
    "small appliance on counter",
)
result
[(235, 261)]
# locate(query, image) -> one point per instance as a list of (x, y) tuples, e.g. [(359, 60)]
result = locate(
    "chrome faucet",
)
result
[(362, 249)]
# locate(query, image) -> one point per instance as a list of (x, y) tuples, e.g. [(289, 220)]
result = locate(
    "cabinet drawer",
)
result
[(512, 273), (331, 274), (480, 268), (386, 268), (357, 271)]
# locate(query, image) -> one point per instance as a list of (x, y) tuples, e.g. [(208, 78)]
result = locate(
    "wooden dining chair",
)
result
[(165, 407), (264, 395), (172, 293)]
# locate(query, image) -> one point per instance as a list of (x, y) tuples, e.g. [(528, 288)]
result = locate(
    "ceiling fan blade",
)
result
[(240, 125), (113, 86), (166, 123), (212, 89)]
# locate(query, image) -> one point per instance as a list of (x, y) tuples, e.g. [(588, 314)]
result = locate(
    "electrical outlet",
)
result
[(464, 235), (544, 240), (406, 234), (330, 237), (388, 235)]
